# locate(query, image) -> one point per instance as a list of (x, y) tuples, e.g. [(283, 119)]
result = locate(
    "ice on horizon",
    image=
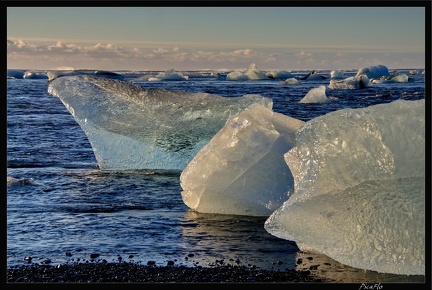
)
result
[(395, 77), (241, 170), (35, 75), (15, 74), (359, 196), (291, 81), (53, 74), (351, 83), (280, 74), (313, 75), (374, 71), (252, 73), (130, 127), (336, 74), (169, 75)]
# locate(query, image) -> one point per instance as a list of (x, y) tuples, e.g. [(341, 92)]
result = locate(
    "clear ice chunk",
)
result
[(359, 196), (130, 127), (241, 170)]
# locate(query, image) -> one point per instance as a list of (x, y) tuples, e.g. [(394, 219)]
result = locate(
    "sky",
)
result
[(218, 38)]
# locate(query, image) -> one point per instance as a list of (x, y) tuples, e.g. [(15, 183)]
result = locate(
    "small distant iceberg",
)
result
[(11, 181), (15, 74), (241, 171), (130, 127), (53, 74), (351, 83), (316, 95), (373, 71), (280, 75), (169, 75), (313, 75), (291, 81), (252, 73), (35, 75), (400, 78), (336, 74), (396, 77)]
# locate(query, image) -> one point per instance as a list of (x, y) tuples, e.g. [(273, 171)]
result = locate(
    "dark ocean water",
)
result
[(61, 208)]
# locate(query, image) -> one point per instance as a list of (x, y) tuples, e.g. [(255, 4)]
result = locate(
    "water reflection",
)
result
[(326, 268), (238, 240), (229, 239)]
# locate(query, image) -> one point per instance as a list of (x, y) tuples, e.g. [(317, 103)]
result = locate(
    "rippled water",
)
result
[(61, 208)]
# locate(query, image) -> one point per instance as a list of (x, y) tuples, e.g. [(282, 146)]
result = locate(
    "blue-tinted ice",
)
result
[(130, 127)]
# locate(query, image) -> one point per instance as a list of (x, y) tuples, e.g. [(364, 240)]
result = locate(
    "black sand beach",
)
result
[(124, 272)]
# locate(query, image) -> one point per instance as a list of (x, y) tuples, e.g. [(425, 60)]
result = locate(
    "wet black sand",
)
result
[(311, 268), (126, 272)]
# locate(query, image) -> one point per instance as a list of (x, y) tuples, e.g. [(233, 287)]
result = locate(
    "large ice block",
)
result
[(130, 127), (377, 225), (242, 170), (359, 178)]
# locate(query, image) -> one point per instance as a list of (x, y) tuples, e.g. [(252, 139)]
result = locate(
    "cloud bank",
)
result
[(108, 56)]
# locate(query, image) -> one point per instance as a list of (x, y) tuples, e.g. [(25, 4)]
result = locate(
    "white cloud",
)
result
[(272, 58), (63, 47), (21, 45), (303, 54), (160, 51), (245, 52)]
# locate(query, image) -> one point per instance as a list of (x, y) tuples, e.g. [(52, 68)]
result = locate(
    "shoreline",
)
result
[(127, 272)]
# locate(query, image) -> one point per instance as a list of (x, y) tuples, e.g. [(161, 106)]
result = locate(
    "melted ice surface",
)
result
[(130, 127), (241, 170), (359, 196)]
